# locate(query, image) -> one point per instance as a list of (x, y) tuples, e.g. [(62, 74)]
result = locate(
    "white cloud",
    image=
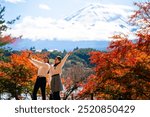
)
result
[(44, 7), (47, 28), (15, 1)]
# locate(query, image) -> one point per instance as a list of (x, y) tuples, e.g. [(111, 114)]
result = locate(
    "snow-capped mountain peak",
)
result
[(96, 13), (93, 22)]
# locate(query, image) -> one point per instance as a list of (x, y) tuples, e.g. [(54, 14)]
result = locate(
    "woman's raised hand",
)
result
[(69, 53)]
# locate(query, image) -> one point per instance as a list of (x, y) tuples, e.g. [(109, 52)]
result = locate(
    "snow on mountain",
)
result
[(102, 17)]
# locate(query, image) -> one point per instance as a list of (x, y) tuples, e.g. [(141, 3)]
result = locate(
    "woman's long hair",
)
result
[(59, 58)]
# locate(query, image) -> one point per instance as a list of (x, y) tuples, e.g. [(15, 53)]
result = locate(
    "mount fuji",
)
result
[(88, 26), (99, 15)]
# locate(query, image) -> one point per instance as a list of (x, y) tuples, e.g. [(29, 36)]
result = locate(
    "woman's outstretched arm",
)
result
[(65, 58)]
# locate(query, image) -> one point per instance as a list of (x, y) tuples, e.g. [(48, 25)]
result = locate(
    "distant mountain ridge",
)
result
[(23, 44)]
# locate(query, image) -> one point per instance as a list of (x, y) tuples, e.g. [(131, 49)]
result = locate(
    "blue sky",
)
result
[(37, 13)]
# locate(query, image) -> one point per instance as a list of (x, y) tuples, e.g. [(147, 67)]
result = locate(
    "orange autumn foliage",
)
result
[(123, 72), (6, 39), (19, 73), (20, 67)]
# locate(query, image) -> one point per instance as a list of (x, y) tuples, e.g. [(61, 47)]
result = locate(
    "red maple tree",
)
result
[(123, 72)]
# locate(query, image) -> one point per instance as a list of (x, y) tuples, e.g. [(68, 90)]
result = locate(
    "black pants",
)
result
[(40, 83), (55, 96)]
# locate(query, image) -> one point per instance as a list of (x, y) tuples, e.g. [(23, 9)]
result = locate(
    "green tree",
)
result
[(44, 50), (4, 53)]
